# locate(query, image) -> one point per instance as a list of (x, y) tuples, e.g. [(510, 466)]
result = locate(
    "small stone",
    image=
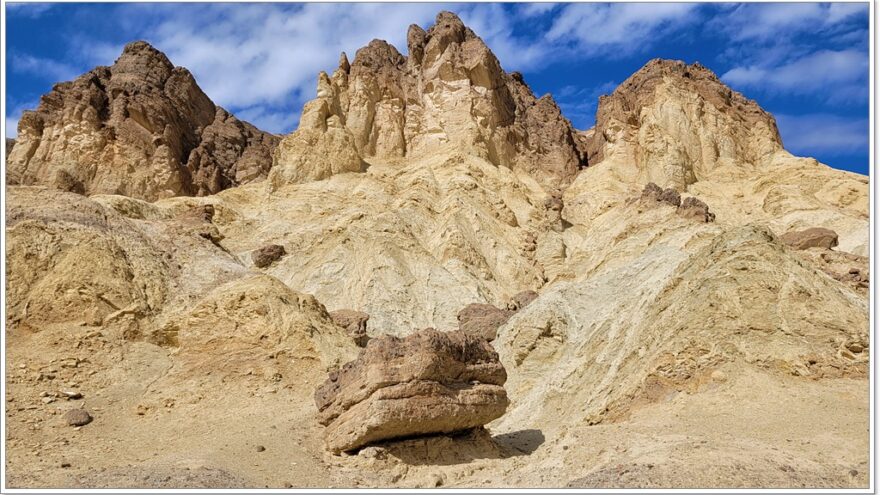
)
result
[(853, 271), (719, 376), (71, 394), (855, 347), (77, 417), (65, 464), (48, 400), (260, 448)]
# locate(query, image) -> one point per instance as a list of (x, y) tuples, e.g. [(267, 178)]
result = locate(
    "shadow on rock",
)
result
[(457, 448)]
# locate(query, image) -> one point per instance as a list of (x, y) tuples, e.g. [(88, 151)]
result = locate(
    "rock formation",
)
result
[(429, 382), (142, 128), (726, 127), (521, 300), (810, 238), (354, 322), (482, 320), (267, 255), (655, 291), (449, 94)]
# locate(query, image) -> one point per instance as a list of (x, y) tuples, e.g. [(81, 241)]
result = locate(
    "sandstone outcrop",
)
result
[(725, 127), (428, 382), (449, 93), (141, 128), (695, 209), (521, 300), (482, 320), (810, 238), (653, 192), (267, 255), (354, 322)]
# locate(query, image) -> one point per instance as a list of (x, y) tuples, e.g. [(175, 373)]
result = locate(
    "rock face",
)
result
[(482, 320), (449, 93), (810, 238), (521, 300), (695, 209), (354, 322), (725, 127), (141, 128), (428, 382), (669, 195)]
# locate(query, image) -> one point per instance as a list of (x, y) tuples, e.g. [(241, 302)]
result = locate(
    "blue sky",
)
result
[(807, 63)]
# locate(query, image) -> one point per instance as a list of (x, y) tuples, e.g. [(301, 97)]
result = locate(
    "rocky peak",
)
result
[(449, 93), (142, 128), (683, 121)]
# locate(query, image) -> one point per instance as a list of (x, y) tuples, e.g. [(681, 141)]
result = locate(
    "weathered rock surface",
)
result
[(449, 93), (354, 322), (680, 127), (521, 300), (646, 321), (653, 192), (695, 209), (810, 238), (267, 255), (727, 127), (482, 320), (141, 128), (428, 382)]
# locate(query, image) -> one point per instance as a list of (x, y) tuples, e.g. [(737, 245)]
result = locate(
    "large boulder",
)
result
[(428, 382), (810, 238)]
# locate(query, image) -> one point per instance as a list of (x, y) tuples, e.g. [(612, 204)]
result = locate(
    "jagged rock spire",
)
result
[(450, 93)]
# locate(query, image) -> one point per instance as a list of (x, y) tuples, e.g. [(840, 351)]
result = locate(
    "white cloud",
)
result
[(825, 71), (773, 21), (813, 134), (30, 9), (259, 54), (43, 67), (535, 9), (619, 28), (275, 120)]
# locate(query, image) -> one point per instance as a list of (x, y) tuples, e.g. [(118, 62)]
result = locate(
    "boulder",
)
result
[(267, 255), (354, 322), (428, 382), (482, 320), (809, 238), (695, 209)]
